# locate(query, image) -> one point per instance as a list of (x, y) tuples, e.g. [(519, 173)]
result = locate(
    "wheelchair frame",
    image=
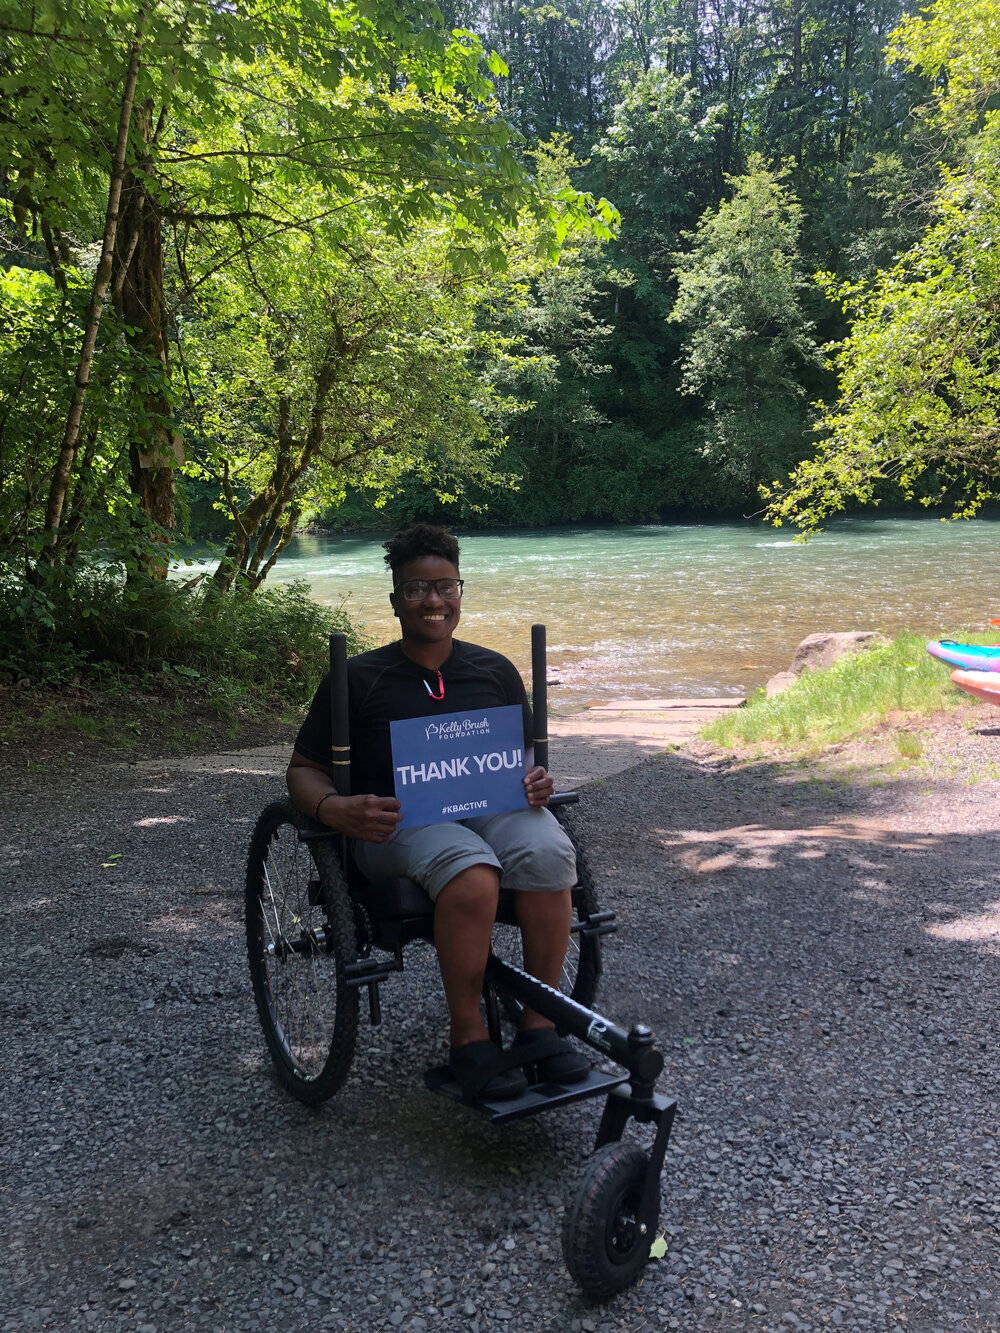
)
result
[(612, 1219)]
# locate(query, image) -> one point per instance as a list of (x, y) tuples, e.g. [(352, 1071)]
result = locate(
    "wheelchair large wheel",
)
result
[(582, 969), (300, 939), (604, 1244)]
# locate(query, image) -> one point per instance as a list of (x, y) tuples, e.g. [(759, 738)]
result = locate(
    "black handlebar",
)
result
[(539, 696), (340, 727)]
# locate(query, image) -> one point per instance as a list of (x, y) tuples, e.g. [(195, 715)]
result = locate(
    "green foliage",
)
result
[(919, 372), (300, 172), (249, 99), (955, 44), (858, 694), (309, 370), (557, 59), (655, 163), (260, 138), (748, 341), (39, 332), (164, 636), (656, 159)]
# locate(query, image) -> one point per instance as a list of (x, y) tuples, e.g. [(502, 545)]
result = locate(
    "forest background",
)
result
[(492, 263)]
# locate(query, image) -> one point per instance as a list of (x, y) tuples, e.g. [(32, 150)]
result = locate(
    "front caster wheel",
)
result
[(604, 1244)]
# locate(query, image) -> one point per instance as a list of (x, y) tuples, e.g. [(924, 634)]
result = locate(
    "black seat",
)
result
[(386, 898), (390, 899)]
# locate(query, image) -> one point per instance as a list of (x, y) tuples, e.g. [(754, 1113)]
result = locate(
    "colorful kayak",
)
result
[(983, 684), (966, 656)]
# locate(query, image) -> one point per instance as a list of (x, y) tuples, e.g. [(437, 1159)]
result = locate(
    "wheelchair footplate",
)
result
[(537, 1097)]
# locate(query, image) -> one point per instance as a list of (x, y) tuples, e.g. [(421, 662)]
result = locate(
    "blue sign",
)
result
[(459, 765)]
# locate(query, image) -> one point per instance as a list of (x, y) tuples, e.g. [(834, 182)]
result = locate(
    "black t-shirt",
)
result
[(384, 686)]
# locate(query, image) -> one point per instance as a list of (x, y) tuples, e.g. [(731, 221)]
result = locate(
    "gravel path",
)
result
[(819, 958)]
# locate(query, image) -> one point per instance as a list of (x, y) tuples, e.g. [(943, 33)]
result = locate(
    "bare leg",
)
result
[(463, 927), (544, 919)]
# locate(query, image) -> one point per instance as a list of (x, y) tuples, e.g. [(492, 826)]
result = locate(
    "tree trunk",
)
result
[(694, 52), (284, 537), (98, 298), (155, 447), (799, 112), (264, 527), (847, 80)]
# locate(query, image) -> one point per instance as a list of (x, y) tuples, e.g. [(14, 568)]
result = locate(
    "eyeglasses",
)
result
[(415, 590)]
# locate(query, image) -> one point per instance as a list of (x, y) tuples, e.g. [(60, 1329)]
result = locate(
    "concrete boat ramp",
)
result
[(607, 738), (595, 743)]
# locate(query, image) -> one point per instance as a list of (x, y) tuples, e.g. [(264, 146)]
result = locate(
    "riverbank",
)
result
[(815, 945)]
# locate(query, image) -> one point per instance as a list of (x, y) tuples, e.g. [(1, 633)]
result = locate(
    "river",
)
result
[(680, 609)]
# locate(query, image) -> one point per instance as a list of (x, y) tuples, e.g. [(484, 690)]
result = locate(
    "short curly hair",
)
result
[(419, 539)]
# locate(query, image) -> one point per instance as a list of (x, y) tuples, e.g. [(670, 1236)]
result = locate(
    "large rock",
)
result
[(822, 650), (779, 683)]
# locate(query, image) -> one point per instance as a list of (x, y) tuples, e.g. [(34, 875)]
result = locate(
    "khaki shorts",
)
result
[(529, 847)]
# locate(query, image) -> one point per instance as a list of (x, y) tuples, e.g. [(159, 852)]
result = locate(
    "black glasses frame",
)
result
[(424, 586)]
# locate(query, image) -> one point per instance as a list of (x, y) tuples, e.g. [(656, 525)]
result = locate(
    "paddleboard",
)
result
[(966, 656), (983, 684)]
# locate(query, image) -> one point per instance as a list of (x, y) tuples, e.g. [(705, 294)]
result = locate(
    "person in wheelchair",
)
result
[(461, 866)]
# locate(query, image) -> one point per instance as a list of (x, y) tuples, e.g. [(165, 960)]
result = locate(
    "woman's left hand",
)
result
[(538, 785)]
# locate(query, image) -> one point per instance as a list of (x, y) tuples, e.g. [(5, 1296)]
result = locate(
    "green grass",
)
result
[(860, 693), (909, 745)]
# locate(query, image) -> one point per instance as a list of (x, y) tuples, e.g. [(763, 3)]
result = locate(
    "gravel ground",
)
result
[(817, 955)]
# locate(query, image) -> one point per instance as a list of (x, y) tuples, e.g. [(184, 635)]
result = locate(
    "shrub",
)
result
[(98, 627)]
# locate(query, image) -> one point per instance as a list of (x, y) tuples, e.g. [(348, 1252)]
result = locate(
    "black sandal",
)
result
[(485, 1073), (553, 1058)]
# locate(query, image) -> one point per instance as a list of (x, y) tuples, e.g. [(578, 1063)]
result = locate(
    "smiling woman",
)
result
[(461, 865)]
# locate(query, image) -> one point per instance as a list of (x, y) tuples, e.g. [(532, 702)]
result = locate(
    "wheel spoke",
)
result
[(303, 991)]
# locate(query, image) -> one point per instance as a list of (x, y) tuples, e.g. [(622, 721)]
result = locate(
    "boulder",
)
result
[(779, 682), (822, 650)]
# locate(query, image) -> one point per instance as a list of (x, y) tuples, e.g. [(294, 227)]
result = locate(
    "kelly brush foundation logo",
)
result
[(458, 729)]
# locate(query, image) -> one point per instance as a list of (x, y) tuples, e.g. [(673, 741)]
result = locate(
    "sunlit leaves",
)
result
[(266, 139), (310, 369), (918, 413), (955, 43)]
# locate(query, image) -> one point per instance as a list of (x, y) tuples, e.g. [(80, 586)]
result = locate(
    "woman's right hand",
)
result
[(368, 818)]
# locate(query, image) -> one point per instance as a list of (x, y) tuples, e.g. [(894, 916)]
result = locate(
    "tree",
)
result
[(308, 370), (652, 159), (557, 56), (557, 354), (919, 374), (655, 161), (747, 337), (40, 322), (236, 125)]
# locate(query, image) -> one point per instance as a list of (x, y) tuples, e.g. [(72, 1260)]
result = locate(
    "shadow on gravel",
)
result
[(823, 959), (818, 959)]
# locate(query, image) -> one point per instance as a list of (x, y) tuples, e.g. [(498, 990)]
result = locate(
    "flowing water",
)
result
[(682, 609)]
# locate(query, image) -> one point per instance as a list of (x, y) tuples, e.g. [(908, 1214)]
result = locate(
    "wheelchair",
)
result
[(318, 935)]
